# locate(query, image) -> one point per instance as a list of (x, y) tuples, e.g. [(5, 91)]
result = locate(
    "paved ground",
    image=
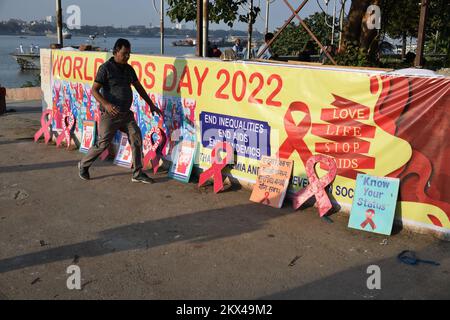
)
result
[(175, 241)]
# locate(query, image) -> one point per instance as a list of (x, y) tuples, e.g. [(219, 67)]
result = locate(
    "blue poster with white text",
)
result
[(374, 204)]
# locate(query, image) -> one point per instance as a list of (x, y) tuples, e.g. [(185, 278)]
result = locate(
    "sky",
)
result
[(142, 12)]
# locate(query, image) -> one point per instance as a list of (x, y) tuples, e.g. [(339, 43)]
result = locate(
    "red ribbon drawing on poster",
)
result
[(67, 125), (370, 213), (317, 186), (295, 133), (217, 166), (265, 200), (45, 126), (152, 155)]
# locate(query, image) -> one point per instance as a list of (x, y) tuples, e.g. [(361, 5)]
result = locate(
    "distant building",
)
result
[(50, 19), (180, 26)]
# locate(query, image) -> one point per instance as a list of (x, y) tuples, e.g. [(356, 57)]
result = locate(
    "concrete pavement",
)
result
[(176, 241)]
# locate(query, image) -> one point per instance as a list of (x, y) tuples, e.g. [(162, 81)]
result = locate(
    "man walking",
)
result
[(115, 78)]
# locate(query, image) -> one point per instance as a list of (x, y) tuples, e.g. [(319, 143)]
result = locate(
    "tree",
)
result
[(227, 11), (294, 38), (438, 28), (400, 19), (358, 38)]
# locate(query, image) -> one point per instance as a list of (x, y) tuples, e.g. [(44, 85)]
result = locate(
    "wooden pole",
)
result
[(421, 36), (59, 22), (199, 51), (205, 28), (250, 31), (162, 26), (311, 34), (286, 23)]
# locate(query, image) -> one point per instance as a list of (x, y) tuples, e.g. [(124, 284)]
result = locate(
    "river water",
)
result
[(12, 77)]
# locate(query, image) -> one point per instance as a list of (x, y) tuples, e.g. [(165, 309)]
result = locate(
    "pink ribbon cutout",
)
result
[(217, 166), (370, 213), (45, 126), (67, 125), (152, 155), (317, 186)]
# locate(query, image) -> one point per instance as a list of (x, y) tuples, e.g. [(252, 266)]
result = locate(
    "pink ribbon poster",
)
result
[(374, 204), (273, 180), (124, 156), (88, 136)]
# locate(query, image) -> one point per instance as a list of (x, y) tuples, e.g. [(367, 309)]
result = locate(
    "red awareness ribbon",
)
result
[(296, 133), (152, 155), (217, 166), (370, 213), (67, 124), (265, 200), (317, 186), (45, 126)]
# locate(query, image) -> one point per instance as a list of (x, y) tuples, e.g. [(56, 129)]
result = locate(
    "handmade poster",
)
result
[(88, 136), (124, 156), (374, 204), (183, 161), (273, 180)]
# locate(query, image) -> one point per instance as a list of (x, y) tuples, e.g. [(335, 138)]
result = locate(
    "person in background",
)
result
[(267, 53), (307, 51), (115, 78), (215, 53), (238, 49)]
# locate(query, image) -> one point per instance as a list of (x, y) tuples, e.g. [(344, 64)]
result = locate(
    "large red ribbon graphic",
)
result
[(296, 133), (217, 166), (317, 186), (152, 154), (370, 213), (45, 126), (67, 124)]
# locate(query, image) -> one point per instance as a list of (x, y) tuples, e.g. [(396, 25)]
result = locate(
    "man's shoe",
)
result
[(83, 172), (142, 177)]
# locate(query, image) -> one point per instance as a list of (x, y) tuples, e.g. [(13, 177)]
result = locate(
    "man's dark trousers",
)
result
[(109, 124)]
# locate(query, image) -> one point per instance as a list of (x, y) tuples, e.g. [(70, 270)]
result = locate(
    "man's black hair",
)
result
[(269, 36), (121, 43)]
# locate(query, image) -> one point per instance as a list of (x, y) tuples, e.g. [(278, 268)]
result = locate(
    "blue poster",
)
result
[(249, 138), (374, 204)]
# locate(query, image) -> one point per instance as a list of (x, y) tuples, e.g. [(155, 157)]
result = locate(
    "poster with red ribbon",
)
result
[(273, 180), (183, 161), (124, 156), (88, 136), (374, 206)]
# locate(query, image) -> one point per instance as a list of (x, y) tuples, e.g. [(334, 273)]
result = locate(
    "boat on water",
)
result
[(65, 32), (188, 42), (27, 60)]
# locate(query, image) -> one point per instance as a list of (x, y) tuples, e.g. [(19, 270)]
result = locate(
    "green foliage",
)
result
[(400, 17), (294, 38), (227, 11), (439, 21), (353, 56)]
